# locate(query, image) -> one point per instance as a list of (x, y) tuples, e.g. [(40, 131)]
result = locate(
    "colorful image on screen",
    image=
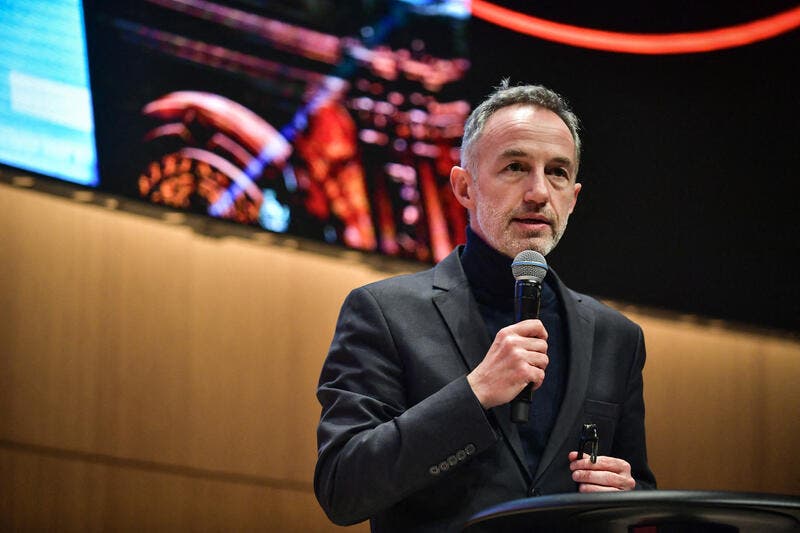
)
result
[(338, 123)]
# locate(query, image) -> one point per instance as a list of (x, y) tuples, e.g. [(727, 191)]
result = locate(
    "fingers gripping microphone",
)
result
[(529, 269)]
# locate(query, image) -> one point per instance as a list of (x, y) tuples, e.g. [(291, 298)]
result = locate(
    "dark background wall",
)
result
[(690, 164)]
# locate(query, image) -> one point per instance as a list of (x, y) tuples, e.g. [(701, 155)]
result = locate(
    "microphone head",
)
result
[(530, 265)]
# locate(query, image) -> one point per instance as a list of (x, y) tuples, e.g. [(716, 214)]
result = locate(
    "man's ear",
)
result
[(462, 185), (577, 188)]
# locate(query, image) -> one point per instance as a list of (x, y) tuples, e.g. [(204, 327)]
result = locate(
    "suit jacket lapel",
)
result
[(454, 300), (580, 332)]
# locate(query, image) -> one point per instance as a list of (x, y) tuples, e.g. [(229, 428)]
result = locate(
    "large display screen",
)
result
[(338, 122), (45, 103)]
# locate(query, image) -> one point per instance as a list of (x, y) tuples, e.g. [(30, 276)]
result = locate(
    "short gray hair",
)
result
[(504, 96)]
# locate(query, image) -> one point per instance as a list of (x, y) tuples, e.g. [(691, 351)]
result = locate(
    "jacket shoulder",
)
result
[(413, 283), (603, 312), (445, 275)]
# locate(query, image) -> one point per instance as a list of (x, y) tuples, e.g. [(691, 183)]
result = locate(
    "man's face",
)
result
[(523, 188)]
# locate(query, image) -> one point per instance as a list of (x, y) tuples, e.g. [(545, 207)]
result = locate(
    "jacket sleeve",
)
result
[(630, 442), (374, 449)]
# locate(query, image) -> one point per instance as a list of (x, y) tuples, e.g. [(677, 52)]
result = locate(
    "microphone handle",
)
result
[(527, 295)]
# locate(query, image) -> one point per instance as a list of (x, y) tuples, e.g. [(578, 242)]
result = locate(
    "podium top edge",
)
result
[(641, 498)]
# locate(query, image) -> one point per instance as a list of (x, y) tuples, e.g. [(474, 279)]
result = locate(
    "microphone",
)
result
[(529, 269)]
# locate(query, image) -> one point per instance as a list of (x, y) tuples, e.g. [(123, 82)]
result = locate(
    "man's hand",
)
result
[(517, 356), (607, 474)]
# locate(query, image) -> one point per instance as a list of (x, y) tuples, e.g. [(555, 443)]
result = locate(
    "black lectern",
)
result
[(655, 511)]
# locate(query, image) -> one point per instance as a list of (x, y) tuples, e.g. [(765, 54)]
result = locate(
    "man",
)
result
[(415, 432)]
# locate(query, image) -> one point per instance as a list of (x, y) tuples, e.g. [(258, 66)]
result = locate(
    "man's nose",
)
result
[(536, 189)]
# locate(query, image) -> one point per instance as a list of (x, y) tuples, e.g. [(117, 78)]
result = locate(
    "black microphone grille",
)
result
[(529, 264)]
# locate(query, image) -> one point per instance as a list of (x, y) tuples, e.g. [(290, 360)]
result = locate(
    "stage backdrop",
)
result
[(340, 121)]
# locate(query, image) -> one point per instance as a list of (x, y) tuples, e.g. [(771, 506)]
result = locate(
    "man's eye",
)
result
[(516, 167), (560, 172)]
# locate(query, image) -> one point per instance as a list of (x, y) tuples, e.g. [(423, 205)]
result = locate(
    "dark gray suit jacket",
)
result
[(404, 441)]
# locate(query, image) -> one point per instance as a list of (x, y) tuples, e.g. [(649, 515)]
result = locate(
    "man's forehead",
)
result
[(512, 126), (528, 116)]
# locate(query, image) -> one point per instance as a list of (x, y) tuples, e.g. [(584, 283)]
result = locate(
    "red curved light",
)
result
[(639, 43)]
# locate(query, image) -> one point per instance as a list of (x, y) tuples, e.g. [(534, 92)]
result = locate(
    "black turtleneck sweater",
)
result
[(492, 283)]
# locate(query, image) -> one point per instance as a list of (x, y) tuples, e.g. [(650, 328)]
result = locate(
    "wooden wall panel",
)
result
[(163, 374), (45, 492), (130, 338), (722, 407)]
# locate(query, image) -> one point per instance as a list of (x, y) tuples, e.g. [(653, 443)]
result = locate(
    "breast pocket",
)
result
[(604, 415)]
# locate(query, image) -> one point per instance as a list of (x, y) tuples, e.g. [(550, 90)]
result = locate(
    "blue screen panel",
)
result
[(46, 123)]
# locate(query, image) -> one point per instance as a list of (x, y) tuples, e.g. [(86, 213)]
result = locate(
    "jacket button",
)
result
[(434, 470), (443, 466), (469, 449), (461, 455)]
